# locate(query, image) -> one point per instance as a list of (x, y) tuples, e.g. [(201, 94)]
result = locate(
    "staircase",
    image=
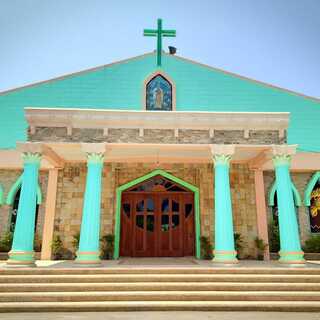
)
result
[(160, 289)]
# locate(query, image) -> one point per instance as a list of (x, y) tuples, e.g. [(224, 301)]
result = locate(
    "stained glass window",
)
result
[(158, 183), (159, 94)]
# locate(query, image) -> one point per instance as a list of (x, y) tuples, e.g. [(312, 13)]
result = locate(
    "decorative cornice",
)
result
[(95, 158), (30, 157)]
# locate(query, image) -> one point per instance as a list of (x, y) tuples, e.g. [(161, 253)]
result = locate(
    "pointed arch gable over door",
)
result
[(143, 208)]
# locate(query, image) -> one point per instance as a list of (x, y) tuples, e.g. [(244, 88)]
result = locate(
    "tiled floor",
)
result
[(162, 316), (189, 262)]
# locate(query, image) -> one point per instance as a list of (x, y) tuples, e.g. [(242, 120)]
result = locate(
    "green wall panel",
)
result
[(199, 88)]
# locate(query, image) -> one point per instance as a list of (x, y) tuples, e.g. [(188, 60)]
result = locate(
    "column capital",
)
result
[(95, 158), (284, 149), (281, 154), (222, 154), (95, 152), (31, 157)]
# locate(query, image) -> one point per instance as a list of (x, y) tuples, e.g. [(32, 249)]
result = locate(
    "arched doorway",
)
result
[(14, 212), (13, 199), (157, 219)]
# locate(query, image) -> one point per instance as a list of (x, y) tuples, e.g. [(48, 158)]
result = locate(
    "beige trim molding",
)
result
[(143, 119), (93, 147), (144, 88)]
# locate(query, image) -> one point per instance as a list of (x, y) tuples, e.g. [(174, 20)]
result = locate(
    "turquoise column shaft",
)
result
[(224, 238), (290, 247), (89, 248), (23, 239)]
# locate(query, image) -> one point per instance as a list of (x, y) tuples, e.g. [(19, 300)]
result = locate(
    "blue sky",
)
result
[(275, 41)]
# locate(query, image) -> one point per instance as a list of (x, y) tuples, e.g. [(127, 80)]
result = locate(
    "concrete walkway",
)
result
[(162, 316)]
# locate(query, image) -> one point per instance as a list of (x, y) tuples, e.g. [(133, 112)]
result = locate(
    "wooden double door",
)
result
[(157, 224)]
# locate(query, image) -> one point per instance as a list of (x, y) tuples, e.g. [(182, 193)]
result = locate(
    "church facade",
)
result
[(162, 158)]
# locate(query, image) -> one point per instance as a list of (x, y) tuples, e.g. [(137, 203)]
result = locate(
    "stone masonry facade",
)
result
[(155, 135), (71, 186)]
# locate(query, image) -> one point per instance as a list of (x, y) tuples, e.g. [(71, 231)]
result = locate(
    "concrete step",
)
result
[(162, 270), (160, 296), (299, 306), (158, 286), (112, 278)]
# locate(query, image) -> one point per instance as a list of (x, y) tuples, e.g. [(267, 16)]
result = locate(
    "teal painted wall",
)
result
[(119, 86)]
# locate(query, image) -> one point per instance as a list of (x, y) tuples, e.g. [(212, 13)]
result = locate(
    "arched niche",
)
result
[(155, 89)]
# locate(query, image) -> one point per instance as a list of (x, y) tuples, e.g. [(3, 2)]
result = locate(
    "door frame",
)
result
[(171, 177)]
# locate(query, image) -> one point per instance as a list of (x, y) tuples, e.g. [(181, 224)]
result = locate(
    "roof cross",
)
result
[(159, 33)]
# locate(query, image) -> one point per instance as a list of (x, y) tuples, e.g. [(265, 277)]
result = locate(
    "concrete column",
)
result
[(22, 252), (89, 247), (290, 247), (48, 226), (224, 251), (262, 220)]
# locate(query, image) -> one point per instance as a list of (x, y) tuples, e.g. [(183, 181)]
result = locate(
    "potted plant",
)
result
[(107, 247), (261, 247), (57, 248), (238, 243), (206, 248)]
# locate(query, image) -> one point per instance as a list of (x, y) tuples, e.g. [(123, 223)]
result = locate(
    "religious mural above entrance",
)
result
[(159, 94)]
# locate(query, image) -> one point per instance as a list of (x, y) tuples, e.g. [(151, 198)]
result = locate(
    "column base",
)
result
[(291, 257), (21, 259), (88, 258), (225, 257)]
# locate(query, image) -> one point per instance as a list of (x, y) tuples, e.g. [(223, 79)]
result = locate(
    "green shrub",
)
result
[(261, 247), (37, 243), (274, 238), (6, 242), (57, 247), (107, 247), (312, 245), (206, 248), (238, 243), (76, 240)]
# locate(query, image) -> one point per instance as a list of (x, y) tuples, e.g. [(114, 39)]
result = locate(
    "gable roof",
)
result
[(198, 88), (152, 53)]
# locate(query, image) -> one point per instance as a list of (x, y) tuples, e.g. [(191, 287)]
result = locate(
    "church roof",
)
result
[(198, 88)]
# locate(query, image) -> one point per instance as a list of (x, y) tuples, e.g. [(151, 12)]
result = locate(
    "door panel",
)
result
[(157, 224)]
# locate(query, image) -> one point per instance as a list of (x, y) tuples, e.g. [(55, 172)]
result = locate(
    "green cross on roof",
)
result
[(159, 33)]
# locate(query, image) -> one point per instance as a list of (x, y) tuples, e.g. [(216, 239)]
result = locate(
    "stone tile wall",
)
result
[(157, 136), (71, 186)]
